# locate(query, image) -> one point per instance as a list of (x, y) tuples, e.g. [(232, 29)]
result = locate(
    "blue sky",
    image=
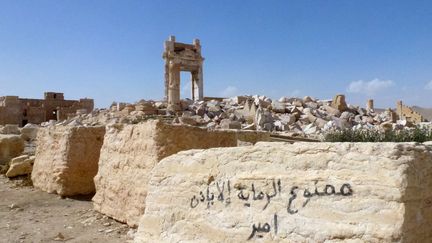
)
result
[(112, 50)]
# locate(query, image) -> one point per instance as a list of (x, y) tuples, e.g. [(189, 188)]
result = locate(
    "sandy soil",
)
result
[(30, 215)]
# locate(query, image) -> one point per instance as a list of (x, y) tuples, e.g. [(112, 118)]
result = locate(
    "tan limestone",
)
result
[(305, 192), (67, 159), (10, 146), (339, 102), (130, 152)]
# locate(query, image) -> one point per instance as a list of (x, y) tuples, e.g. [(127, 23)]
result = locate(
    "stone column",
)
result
[(174, 87), (166, 80), (199, 87), (370, 105), (196, 87)]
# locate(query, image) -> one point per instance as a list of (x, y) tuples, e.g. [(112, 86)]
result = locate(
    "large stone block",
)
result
[(129, 154), (305, 192), (67, 159), (10, 146)]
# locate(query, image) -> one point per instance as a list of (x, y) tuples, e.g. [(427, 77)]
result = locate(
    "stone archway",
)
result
[(182, 57)]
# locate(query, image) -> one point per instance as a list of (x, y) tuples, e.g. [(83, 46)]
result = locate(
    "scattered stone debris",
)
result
[(304, 117)]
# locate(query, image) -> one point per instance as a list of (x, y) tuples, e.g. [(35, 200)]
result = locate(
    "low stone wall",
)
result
[(67, 159), (10, 146), (304, 192), (130, 152)]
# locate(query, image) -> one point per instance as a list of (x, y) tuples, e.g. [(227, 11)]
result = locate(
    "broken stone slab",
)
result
[(304, 192), (229, 124), (10, 146), (67, 159), (19, 169)]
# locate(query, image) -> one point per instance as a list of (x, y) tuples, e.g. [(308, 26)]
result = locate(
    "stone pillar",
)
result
[(174, 87), (199, 80), (399, 108), (199, 88), (197, 93), (370, 105), (58, 115), (166, 81)]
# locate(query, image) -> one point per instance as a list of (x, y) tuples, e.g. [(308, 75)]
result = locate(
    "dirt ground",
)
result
[(31, 215)]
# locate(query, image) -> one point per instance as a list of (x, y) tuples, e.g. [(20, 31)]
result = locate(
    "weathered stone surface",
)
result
[(228, 124), (10, 147), (29, 132), (19, 168), (67, 159), (129, 154), (339, 103), (305, 192), (10, 129)]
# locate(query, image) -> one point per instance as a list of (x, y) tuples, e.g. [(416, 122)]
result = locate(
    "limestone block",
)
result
[(304, 192), (67, 159), (130, 152), (19, 168), (10, 129), (228, 124), (29, 132), (339, 103), (10, 146)]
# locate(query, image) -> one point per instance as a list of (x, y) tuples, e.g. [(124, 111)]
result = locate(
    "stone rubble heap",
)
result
[(17, 151), (306, 117)]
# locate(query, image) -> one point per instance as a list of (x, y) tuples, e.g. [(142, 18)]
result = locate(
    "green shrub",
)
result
[(409, 135)]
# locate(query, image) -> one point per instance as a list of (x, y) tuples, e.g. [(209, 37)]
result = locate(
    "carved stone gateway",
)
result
[(182, 57)]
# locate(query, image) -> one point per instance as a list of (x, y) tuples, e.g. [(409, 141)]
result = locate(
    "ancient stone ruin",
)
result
[(130, 152), (211, 169), (305, 192), (67, 159), (15, 110), (182, 57), (407, 113)]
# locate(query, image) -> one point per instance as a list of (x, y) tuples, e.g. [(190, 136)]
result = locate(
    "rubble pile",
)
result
[(17, 149), (305, 117)]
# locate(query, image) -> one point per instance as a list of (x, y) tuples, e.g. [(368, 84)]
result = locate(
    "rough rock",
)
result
[(10, 146), (19, 168), (130, 152), (10, 129), (228, 124), (67, 159), (305, 192), (339, 103), (29, 132)]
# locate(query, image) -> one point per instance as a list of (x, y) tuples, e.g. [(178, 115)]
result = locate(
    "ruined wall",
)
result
[(15, 110), (67, 159), (10, 110), (304, 192), (130, 152), (407, 113)]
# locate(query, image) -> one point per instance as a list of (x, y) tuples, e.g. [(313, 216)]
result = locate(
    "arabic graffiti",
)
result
[(261, 195), (265, 228)]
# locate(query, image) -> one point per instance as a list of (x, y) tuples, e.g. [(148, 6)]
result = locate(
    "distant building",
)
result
[(15, 110)]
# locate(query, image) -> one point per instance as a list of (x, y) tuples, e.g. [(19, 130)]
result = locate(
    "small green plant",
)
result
[(417, 134)]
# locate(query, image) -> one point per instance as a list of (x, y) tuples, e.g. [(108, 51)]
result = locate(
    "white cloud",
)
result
[(429, 85), (370, 87), (229, 91)]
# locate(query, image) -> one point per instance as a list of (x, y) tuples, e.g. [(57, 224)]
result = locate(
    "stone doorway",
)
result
[(181, 57)]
